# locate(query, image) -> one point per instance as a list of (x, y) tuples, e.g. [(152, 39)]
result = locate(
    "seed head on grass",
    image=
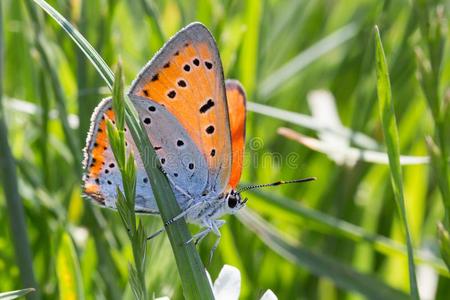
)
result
[(126, 199)]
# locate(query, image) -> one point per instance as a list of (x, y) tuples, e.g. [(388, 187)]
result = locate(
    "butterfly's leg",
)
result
[(199, 236), (156, 233), (184, 213), (174, 219), (215, 228)]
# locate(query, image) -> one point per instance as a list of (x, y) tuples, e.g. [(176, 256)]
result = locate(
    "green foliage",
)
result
[(341, 237)]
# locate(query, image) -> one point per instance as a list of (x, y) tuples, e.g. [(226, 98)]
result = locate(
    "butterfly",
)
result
[(195, 121)]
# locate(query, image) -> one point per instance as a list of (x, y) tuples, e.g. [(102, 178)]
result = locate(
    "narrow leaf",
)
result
[(15, 294), (68, 270), (386, 109)]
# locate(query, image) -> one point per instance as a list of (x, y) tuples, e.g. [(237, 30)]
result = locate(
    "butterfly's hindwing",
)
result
[(237, 109), (101, 172)]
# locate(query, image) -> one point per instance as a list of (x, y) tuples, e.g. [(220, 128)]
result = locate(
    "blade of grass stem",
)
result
[(387, 115)]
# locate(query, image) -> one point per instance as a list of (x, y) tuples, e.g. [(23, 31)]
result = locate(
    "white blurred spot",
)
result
[(323, 108), (427, 280)]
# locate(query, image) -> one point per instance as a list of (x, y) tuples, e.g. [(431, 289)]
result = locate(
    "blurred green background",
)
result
[(339, 237)]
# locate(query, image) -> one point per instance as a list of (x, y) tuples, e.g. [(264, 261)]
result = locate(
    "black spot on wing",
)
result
[(205, 107), (171, 94), (210, 129), (208, 65)]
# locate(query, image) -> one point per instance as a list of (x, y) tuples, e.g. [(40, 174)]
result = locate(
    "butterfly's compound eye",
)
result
[(232, 201)]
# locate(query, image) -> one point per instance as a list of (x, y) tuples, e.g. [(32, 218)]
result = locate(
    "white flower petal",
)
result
[(228, 284), (269, 295)]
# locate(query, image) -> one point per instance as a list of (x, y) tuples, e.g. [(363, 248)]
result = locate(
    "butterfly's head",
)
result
[(234, 202)]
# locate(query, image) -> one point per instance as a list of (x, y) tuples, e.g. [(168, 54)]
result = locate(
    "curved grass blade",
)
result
[(318, 264), (390, 132), (15, 294), (190, 268)]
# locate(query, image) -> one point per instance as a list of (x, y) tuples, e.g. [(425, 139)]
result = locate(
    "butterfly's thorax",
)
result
[(212, 207)]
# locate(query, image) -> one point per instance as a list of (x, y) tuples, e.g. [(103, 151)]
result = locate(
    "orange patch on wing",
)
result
[(237, 111), (90, 188), (99, 146), (184, 85)]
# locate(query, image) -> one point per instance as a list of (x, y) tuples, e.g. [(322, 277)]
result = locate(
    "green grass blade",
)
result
[(16, 214), (68, 270), (320, 265), (387, 114), (190, 268), (15, 294)]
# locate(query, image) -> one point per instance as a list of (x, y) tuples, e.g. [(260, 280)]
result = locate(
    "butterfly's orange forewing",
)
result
[(187, 78)]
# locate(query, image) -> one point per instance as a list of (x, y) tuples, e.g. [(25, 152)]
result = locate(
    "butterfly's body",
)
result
[(211, 207)]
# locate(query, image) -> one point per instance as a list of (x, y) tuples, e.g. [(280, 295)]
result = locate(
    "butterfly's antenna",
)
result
[(257, 186)]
